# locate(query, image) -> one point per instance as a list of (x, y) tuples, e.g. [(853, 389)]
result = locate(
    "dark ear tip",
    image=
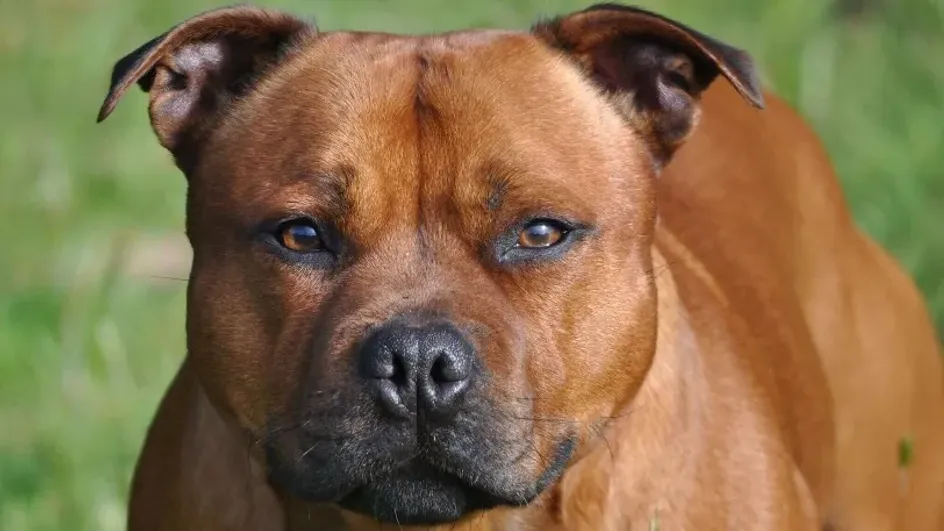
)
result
[(106, 109), (753, 91), (741, 70)]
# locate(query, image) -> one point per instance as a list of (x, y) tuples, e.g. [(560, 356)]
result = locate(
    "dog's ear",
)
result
[(196, 68), (653, 68)]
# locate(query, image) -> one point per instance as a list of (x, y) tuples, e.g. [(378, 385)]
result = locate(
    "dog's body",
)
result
[(724, 349)]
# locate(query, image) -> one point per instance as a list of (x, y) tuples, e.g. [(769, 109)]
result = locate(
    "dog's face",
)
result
[(421, 271), (432, 289)]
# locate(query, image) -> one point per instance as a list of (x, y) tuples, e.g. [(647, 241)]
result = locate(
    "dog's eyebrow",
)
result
[(329, 187), (498, 176)]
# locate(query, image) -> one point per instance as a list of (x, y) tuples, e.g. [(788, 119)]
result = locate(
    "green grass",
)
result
[(91, 328)]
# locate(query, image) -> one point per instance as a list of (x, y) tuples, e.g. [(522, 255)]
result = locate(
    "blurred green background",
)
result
[(93, 260)]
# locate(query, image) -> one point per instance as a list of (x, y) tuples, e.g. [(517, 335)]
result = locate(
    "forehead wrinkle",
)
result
[(380, 135), (460, 101), (448, 121), (432, 156), (498, 179), (499, 185)]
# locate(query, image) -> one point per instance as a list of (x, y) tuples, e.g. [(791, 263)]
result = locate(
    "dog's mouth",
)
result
[(421, 494)]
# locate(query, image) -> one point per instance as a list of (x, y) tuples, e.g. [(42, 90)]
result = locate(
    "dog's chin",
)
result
[(421, 495), (416, 492)]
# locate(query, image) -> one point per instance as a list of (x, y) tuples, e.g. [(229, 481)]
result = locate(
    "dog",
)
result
[(588, 276)]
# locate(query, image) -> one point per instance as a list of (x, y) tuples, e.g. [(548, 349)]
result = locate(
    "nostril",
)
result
[(438, 371), (377, 363), (398, 372), (447, 369)]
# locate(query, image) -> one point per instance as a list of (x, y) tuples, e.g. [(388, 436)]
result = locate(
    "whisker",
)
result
[(543, 419), (602, 434), (304, 454), (161, 277)]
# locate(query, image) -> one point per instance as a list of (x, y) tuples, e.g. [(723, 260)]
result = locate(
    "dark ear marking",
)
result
[(195, 68), (120, 80), (654, 68)]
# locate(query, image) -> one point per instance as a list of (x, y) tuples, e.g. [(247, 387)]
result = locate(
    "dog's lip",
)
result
[(564, 452), (419, 471), (475, 496), (419, 467), (412, 468)]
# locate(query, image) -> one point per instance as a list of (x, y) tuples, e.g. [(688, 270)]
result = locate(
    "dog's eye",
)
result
[(543, 239), (300, 236), (541, 234)]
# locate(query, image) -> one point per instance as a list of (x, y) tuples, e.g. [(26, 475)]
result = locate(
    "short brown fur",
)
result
[(727, 349)]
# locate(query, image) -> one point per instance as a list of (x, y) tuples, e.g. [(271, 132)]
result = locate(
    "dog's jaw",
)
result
[(420, 493)]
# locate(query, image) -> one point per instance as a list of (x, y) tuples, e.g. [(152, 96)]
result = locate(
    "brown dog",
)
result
[(476, 278)]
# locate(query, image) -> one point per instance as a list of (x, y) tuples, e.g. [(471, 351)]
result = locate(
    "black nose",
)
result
[(418, 369)]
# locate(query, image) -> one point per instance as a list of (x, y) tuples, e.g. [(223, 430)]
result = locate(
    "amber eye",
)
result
[(541, 234), (300, 236)]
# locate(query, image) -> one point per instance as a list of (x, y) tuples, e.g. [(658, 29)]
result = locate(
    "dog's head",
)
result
[(422, 268)]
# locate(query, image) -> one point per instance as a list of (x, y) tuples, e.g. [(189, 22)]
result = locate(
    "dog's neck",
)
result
[(215, 452)]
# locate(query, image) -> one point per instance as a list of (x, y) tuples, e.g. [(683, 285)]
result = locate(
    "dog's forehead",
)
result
[(454, 112)]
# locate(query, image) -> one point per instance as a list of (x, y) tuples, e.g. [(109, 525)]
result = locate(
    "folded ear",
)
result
[(196, 68), (654, 68)]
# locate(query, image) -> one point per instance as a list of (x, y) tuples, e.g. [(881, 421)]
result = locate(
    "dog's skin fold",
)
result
[(590, 276)]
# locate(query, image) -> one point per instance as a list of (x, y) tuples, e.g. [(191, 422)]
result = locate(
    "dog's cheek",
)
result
[(617, 332), (591, 357), (230, 342), (618, 335)]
